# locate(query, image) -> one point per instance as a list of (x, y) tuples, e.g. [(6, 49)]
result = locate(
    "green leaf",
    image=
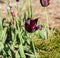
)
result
[(1, 46), (17, 55), (22, 51)]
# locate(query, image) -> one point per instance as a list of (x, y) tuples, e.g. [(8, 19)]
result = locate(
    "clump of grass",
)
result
[(49, 48)]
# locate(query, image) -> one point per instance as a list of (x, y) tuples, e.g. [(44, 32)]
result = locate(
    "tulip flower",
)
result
[(31, 25), (44, 3), (17, 0)]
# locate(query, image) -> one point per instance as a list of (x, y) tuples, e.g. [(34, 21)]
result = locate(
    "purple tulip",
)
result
[(17, 0), (31, 25), (44, 3)]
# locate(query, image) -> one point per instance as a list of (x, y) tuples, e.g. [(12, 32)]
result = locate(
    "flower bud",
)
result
[(44, 3), (17, 0), (12, 12), (40, 27)]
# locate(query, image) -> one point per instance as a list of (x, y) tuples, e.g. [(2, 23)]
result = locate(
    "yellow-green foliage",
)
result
[(49, 48)]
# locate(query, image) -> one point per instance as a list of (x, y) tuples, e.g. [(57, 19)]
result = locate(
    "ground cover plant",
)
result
[(22, 36)]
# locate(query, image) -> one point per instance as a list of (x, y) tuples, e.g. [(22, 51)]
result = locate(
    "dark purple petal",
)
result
[(36, 19), (28, 21), (44, 3)]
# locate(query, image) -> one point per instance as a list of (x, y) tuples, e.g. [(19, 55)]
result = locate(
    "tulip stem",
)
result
[(47, 26), (17, 9)]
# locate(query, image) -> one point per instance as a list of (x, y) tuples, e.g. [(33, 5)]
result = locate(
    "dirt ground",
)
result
[(38, 11)]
